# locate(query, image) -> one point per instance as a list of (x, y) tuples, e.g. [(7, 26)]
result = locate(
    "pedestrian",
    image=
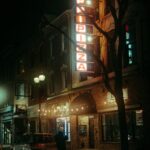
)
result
[(60, 139)]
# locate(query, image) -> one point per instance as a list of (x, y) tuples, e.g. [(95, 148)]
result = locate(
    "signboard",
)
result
[(82, 35)]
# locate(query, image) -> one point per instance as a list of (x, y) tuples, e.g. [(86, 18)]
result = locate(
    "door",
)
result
[(86, 131)]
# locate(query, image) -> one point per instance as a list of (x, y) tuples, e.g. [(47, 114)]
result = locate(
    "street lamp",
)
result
[(37, 80)]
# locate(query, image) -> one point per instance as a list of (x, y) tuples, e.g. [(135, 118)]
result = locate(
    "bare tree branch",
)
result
[(95, 24)]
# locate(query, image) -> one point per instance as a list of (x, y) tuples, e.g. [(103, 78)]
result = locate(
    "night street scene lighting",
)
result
[(77, 65)]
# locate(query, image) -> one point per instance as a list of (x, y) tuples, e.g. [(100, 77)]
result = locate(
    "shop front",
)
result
[(84, 122)]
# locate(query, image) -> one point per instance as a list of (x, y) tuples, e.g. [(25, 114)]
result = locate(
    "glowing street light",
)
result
[(37, 80)]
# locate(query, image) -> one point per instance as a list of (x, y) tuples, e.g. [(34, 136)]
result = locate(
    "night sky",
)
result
[(20, 19)]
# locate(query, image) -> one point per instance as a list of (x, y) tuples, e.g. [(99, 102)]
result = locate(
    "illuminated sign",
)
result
[(80, 19), (78, 10), (80, 56), (82, 45), (81, 66), (3, 95), (80, 28), (80, 1), (82, 35)]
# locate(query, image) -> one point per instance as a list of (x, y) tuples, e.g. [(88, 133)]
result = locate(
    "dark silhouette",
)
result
[(60, 140)]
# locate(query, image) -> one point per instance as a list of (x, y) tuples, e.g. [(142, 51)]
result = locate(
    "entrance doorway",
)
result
[(86, 131)]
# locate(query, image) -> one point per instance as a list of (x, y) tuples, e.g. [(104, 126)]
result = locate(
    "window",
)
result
[(22, 90), (110, 126), (64, 79), (65, 123), (64, 40), (51, 84), (107, 9), (130, 45)]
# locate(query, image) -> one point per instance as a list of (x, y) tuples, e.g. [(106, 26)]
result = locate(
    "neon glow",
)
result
[(80, 56), (81, 45), (78, 9), (81, 66), (80, 28), (80, 37), (80, 19), (88, 2), (80, 1)]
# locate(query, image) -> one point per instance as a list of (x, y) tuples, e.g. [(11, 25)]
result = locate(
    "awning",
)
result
[(83, 104)]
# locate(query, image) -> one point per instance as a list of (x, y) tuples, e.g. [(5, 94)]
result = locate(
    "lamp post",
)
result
[(37, 80)]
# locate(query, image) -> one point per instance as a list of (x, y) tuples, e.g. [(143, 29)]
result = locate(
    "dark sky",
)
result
[(20, 18)]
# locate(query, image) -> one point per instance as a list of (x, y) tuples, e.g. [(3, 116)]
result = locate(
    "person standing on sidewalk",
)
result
[(60, 139)]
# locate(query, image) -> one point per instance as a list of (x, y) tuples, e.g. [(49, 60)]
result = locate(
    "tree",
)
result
[(116, 54)]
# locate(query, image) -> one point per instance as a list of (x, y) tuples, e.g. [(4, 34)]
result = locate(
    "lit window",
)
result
[(64, 79), (130, 53), (127, 42), (127, 35), (130, 61), (129, 46), (89, 39), (64, 122), (20, 90), (88, 2)]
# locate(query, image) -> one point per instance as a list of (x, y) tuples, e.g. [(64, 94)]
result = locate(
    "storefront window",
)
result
[(110, 126), (65, 123)]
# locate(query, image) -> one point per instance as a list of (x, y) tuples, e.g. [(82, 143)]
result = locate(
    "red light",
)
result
[(126, 28)]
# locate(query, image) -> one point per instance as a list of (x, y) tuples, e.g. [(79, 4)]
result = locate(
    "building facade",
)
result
[(73, 94), (77, 98)]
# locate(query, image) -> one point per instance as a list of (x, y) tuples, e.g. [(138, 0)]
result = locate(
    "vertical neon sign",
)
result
[(80, 28)]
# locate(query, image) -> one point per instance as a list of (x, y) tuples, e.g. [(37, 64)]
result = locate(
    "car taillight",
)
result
[(38, 146)]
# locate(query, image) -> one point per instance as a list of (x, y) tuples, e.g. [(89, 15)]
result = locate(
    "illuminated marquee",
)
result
[(81, 56), (82, 35)]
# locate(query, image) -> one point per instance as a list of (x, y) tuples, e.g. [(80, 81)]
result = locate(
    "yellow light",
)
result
[(36, 80), (88, 2), (77, 109), (41, 77)]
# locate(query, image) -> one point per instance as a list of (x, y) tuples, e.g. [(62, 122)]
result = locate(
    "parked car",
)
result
[(36, 141)]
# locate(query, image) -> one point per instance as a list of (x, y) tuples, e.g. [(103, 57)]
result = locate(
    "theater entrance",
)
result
[(85, 122)]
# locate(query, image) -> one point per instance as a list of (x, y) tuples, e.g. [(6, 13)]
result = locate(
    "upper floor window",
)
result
[(51, 85), (130, 45), (107, 9), (22, 90), (64, 40), (64, 79)]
